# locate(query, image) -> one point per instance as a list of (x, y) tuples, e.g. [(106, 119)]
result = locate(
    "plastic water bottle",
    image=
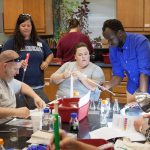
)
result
[(59, 118), (74, 123), (103, 116), (108, 106), (46, 120), (1, 144), (116, 108)]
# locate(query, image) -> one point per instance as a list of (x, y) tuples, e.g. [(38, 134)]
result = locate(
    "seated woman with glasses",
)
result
[(84, 74), (25, 40)]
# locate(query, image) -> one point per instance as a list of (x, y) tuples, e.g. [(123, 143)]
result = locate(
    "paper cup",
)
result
[(36, 118)]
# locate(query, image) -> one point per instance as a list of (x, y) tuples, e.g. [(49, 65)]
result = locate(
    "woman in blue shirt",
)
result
[(130, 56), (25, 40)]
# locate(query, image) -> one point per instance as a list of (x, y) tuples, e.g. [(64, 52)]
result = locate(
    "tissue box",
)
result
[(70, 105)]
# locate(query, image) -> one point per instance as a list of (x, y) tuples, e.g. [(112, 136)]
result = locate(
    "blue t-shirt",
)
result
[(132, 59), (34, 76)]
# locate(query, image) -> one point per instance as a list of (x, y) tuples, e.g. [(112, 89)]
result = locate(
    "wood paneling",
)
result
[(40, 10), (12, 8), (147, 15), (36, 9), (50, 88), (130, 12)]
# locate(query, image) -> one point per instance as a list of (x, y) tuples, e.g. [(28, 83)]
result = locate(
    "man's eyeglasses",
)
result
[(14, 60)]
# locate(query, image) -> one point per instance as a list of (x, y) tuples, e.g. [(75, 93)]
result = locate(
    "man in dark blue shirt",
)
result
[(129, 56)]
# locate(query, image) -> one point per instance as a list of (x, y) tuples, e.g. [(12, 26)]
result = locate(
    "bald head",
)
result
[(8, 55)]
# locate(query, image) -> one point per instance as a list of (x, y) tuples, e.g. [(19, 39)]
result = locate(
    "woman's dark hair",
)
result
[(73, 23), (19, 41), (81, 44), (113, 24)]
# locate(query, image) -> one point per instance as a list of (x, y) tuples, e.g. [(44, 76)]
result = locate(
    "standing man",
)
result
[(129, 56)]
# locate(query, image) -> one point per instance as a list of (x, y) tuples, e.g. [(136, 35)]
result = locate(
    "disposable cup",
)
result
[(36, 118)]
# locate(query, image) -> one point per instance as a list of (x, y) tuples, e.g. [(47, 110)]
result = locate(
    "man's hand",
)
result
[(22, 112), (39, 103)]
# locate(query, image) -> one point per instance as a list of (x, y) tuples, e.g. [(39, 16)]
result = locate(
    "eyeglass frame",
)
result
[(14, 60)]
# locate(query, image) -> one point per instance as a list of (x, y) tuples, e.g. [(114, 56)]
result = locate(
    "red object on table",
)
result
[(70, 105), (106, 58), (95, 142)]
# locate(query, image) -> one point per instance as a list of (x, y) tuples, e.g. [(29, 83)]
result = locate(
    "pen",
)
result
[(56, 131)]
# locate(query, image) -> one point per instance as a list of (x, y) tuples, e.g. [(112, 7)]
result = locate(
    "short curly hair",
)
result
[(113, 24)]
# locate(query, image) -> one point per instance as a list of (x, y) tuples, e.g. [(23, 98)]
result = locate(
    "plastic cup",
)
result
[(13, 136), (36, 118)]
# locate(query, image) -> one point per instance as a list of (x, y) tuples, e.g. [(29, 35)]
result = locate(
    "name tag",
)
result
[(39, 44)]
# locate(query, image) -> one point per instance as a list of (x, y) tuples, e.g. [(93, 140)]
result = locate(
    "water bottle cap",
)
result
[(1, 141), (104, 102), (46, 110), (73, 115)]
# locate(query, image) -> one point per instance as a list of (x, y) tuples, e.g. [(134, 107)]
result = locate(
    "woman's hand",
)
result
[(44, 65), (138, 124), (23, 64), (141, 124), (66, 74), (78, 75)]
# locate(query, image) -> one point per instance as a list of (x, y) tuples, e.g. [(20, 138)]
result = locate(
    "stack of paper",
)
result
[(41, 137)]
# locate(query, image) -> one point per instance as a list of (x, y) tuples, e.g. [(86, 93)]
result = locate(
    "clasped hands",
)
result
[(76, 75)]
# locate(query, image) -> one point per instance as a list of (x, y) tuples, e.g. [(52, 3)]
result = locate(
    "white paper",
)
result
[(71, 86), (119, 129), (84, 100), (109, 133), (20, 122), (41, 137)]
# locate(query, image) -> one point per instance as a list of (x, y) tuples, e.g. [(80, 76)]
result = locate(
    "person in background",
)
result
[(65, 47), (25, 40), (10, 65), (84, 73), (129, 56)]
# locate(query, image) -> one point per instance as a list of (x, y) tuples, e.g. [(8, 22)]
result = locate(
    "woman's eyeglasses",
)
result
[(28, 15)]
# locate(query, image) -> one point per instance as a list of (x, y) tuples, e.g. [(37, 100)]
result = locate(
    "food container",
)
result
[(71, 105)]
